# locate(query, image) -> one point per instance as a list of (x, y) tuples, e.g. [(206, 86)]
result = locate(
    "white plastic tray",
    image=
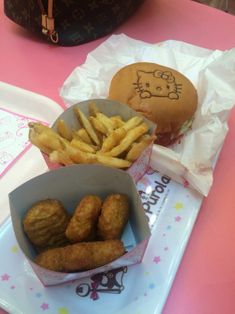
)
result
[(30, 164), (143, 288)]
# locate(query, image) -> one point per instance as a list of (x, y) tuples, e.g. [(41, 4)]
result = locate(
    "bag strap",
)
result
[(48, 25)]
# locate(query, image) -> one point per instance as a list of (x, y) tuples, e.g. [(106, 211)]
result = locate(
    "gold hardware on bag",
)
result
[(48, 24), (54, 37)]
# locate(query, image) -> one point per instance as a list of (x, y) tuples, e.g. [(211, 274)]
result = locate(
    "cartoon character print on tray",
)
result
[(13, 138), (157, 84), (106, 282)]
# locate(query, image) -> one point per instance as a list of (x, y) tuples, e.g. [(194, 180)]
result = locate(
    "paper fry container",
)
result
[(69, 185), (109, 108)]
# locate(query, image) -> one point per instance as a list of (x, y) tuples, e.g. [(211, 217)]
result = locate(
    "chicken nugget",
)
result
[(81, 256), (114, 216), (82, 224), (45, 224)]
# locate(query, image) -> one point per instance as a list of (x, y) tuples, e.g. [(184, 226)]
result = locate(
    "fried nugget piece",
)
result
[(82, 225), (114, 216), (45, 224), (81, 256)]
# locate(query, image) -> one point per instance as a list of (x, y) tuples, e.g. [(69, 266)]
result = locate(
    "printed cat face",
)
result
[(157, 84)]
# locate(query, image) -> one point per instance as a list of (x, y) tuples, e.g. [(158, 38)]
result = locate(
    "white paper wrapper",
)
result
[(213, 74)]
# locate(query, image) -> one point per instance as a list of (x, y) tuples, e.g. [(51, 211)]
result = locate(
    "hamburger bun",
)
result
[(161, 94)]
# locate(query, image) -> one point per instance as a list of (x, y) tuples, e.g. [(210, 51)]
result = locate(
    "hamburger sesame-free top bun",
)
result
[(161, 94)]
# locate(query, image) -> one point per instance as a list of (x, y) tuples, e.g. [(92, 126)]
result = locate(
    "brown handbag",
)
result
[(70, 22)]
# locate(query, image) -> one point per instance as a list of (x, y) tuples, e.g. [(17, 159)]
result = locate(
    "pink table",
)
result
[(205, 282)]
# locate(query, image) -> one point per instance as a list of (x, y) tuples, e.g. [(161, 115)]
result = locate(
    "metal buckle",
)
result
[(48, 28), (54, 37)]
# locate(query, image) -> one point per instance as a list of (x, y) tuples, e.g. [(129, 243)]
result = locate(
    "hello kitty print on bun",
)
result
[(157, 84), (161, 94)]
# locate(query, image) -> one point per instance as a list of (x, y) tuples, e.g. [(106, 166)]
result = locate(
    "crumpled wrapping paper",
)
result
[(191, 161)]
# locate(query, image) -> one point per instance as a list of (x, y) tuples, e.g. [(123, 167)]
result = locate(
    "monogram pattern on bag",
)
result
[(102, 18), (75, 21), (78, 14)]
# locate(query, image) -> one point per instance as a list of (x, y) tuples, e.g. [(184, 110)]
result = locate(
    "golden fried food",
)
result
[(64, 130), (113, 139), (44, 137), (60, 157), (79, 156), (82, 135), (106, 121), (81, 256), (130, 137), (45, 224), (98, 125), (83, 146), (82, 224), (114, 216), (87, 125), (93, 109), (137, 148), (132, 123), (112, 161), (102, 139), (117, 121)]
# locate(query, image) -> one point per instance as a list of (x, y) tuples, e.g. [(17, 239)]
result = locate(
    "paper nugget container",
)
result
[(109, 108), (69, 185)]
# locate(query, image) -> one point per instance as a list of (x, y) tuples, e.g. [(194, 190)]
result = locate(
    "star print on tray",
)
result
[(63, 310), (45, 306), (14, 249), (13, 138), (178, 206), (5, 277), (157, 259), (178, 218)]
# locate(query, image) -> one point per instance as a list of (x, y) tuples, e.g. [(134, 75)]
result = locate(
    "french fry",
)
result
[(87, 125), (83, 146), (78, 156), (98, 125), (132, 123), (101, 139), (64, 130), (39, 127), (93, 109), (118, 122), (138, 148), (113, 139), (106, 121), (146, 137), (112, 161), (45, 138), (82, 135), (60, 157), (50, 141), (33, 137), (130, 137)]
